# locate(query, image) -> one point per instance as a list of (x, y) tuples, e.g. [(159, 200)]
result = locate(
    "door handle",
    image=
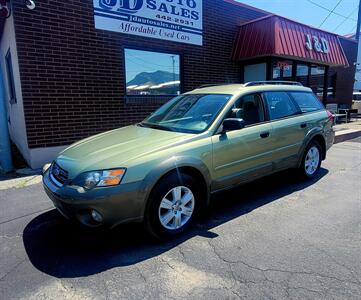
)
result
[(303, 125), (264, 135)]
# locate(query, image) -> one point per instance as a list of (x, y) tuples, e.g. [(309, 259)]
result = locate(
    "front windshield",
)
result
[(192, 113)]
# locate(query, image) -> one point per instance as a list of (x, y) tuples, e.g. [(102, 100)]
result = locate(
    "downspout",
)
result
[(5, 148)]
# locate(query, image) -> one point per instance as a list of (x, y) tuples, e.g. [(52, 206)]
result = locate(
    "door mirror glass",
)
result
[(231, 124)]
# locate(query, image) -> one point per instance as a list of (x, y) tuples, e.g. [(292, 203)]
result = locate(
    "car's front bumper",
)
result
[(119, 204)]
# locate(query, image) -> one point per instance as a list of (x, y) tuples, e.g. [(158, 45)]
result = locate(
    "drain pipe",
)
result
[(5, 149)]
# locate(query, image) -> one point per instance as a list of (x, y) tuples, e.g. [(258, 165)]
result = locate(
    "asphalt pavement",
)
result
[(276, 238)]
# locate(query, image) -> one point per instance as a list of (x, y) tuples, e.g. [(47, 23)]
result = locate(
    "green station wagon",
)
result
[(163, 170)]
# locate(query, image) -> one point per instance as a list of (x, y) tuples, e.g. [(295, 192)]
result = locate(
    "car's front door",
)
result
[(289, 128), (244, 154)]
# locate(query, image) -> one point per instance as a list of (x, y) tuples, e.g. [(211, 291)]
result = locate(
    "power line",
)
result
[(147, 62), (331, 12), (347, 18)]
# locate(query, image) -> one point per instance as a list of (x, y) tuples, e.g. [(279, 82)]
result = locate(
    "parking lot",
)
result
[(276, 238)]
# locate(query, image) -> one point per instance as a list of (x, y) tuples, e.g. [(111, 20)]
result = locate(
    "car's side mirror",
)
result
[(231, 124)]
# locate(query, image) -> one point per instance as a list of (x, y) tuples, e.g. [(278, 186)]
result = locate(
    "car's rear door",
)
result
[(289, 128), (241, 155)]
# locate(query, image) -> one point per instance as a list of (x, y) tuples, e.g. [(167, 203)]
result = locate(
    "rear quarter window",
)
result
[(307, 102)]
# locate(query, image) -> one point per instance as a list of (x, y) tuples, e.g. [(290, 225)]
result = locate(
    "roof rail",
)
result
[(213, 84), (206, 85), (274, 82)]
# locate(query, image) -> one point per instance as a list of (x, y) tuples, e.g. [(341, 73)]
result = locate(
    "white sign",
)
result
[(173, 20), (318, 44)]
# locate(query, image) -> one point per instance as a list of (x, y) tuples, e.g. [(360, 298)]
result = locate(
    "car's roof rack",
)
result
[(213, 84), (272, 82)]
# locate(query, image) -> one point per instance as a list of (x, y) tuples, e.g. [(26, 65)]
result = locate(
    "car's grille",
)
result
[(59, 174)]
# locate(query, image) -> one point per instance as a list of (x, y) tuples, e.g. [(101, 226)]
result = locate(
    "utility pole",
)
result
[(357, 62), (173, 60)]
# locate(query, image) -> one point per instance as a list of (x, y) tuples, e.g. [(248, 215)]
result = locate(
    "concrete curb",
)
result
[(19, 183), (344, 135)]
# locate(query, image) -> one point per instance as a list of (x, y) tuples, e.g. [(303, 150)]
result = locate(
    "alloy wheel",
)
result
[(176, 208), (312, 160)]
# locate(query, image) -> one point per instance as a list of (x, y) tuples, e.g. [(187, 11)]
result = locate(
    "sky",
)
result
[(306, 12)]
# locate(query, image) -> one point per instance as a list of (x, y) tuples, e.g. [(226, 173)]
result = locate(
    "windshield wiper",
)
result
[(154, 126)]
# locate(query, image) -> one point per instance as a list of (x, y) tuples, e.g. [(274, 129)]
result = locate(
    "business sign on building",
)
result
[(173, 20), (318, 44)]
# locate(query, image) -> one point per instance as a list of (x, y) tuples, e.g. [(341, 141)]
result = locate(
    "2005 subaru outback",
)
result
[(163, 170)]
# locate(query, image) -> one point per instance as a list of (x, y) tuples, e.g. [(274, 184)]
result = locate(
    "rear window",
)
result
[(307, 101)]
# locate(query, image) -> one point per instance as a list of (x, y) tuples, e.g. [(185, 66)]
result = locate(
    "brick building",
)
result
[(74, 69)]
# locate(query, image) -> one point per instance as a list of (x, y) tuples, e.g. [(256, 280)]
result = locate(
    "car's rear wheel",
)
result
[(172, 206), (311, 161)]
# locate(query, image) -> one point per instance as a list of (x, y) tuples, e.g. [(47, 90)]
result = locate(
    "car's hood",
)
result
[(114, 148)]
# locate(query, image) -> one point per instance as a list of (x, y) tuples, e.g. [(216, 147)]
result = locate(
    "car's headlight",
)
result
[(103, 178)]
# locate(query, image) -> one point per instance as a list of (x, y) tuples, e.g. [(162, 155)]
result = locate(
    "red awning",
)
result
[(277, 36)]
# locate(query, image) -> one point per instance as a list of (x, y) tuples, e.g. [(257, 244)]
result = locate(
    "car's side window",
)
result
[(307, 102), (279, 105), (249, 108)]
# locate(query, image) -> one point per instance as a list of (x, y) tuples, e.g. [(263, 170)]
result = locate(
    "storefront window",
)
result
[(282, 70), (287, 71), (302, 74), (152, 73), (317, 80), (331, 86), (276, 72)]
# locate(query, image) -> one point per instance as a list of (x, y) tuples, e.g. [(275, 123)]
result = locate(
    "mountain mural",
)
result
[(153, 78)]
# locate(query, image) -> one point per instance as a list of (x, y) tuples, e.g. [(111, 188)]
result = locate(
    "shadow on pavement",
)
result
[(64, 250)]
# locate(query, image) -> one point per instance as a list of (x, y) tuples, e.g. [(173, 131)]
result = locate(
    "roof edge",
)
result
[(348, 39), (247, 6), (270, 15)]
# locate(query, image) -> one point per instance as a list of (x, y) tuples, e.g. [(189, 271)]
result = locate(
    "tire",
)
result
[(166, 216), (311, 161)]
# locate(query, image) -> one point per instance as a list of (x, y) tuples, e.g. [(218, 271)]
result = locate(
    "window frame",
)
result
[(161, 98), (217, 131), (10, 77)]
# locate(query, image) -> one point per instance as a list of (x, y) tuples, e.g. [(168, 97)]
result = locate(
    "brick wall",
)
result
[(72, 75)]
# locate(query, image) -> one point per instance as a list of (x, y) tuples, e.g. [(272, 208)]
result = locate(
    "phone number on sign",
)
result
[(175, 20)]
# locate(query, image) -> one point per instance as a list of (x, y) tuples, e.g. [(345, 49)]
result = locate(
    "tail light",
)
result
[(330, 116)]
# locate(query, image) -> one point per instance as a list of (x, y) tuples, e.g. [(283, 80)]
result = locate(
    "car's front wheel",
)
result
[(172, 206)]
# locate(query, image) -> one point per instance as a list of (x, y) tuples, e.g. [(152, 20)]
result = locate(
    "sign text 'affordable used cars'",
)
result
[(174, 20)]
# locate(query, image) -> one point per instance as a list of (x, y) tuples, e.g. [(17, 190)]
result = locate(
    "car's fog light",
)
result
[(96, 216)]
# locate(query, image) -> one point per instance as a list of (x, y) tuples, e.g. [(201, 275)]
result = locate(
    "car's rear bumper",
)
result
[(116, 205), (329, 138)]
